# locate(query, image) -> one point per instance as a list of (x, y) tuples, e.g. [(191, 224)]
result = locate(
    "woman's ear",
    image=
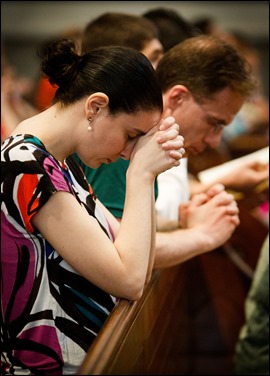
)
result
[(94, 102)]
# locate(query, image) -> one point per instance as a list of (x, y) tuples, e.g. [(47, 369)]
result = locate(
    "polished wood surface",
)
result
[(136, 337), (188, 320)]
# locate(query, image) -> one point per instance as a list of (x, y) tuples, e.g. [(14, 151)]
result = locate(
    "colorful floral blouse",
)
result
[(50, 314)]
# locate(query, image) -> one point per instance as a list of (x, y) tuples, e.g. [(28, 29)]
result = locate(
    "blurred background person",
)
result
[(172, 27), (116, 28), (15, 92), (252, 347)]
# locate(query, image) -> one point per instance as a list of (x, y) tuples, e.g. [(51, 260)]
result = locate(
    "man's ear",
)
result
[(176, 95), (94, 102)]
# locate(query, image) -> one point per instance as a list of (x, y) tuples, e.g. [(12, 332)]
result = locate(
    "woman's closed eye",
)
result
[(132, 137)]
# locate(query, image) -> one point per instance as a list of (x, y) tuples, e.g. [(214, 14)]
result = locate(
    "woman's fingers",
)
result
[(166, 123), (169, 130), (170, 140), (177, 154)]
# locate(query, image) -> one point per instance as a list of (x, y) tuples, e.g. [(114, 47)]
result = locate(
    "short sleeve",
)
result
[(31, 176)]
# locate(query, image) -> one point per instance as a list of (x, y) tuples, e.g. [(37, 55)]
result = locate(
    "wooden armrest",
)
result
[(106, 348), (137, 336)]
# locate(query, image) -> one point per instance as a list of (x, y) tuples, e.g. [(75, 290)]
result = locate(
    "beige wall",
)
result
[(39, 18), (25, 24)]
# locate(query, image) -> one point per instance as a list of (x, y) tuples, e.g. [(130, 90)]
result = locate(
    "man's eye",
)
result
[(217, 126)]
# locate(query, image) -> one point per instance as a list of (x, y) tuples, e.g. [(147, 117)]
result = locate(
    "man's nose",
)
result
[(213, 140)]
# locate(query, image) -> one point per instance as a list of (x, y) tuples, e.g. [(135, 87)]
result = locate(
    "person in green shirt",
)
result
[(252, 348)]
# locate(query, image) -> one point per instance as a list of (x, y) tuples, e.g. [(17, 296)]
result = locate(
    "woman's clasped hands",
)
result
[(161, 148)]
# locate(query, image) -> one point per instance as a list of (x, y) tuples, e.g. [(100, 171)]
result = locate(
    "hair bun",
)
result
[(61, 62)]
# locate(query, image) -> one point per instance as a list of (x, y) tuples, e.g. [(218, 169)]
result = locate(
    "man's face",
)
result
[(201, 124), (153, 50)]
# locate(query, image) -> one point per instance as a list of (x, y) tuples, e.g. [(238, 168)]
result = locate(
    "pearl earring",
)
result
[(89, 125)]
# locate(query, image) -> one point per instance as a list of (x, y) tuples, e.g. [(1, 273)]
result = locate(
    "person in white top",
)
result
[(173, 189)]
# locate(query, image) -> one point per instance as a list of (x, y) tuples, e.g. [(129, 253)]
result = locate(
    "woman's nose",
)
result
[(126, 152)]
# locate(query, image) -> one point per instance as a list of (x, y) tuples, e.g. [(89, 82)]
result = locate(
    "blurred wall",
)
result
[(25, 24)]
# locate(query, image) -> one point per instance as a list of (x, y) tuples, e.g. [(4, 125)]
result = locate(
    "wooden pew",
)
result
[(186, 323), (137, 335), (188, 319)]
